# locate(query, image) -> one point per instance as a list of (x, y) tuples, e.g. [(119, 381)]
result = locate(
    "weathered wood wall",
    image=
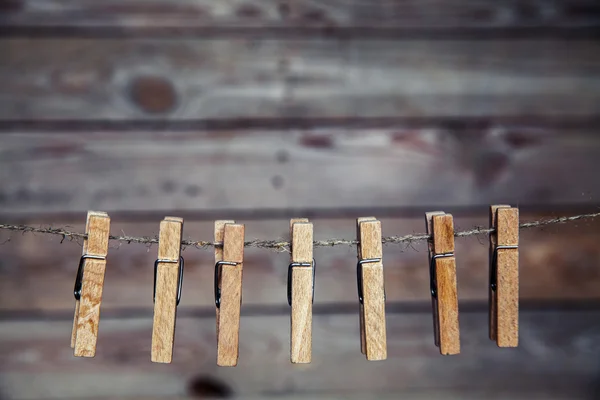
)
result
[(266, 110)]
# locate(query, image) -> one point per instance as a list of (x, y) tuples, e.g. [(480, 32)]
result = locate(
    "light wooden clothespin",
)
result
[(89, 283), (504, 276), (228, 290), (168, 280), (442, 270), (371, 290), (300, 289)]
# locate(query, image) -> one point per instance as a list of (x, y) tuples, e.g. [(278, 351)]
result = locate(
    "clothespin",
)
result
[(228, 290), (371, 290), (89, 283), (442, 271), (300, 289), (504, 276), (168, 281)]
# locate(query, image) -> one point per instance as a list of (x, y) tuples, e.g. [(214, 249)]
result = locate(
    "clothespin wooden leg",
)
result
[(168, 278), (219, 234), (74, 329), (361, 310), (228, 290), (371, 290), (89, 284), (300, 289), (504, 276), (443, 282)]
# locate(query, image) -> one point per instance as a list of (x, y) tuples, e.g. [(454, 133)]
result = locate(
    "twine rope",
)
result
[(282, 245)]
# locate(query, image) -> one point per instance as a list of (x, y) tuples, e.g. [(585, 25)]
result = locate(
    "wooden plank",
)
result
[(557, 263), (365, 78), (435, 14), (33, 350), (219, 79), (407, 395), (120, 15), (42, 172), (356, 395), (163, 17)]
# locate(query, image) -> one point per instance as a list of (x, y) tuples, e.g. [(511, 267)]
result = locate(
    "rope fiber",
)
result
[(282, 245)]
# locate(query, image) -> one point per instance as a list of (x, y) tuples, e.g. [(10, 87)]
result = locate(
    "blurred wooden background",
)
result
[(265, 110)]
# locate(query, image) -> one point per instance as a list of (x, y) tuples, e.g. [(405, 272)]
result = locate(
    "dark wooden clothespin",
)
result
[(228, 290), (300, 289), (504, 276), (89, 283), (442, 270), (371, 289), (168, 280)]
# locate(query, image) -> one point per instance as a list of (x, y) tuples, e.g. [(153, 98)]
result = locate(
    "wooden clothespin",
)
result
[(168, 280), (504, 276), (442, 270), (89, 283), (371, 290), (228, 290), (300, 289)]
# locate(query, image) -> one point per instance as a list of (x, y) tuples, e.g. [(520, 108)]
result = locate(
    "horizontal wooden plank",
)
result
[(42, 172), (439, 14), (557, 263), (160, 17), (449, 78), (557, 354), (146, 13), (405, 395), (217, 79)]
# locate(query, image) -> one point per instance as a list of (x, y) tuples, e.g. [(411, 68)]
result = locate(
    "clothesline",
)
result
[(283, 244)]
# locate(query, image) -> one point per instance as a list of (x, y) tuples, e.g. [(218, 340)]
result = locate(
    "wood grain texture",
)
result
[(410, 395), (492, 298), (302, 292), (507, 292), (493, 310), (74, 329), (77, 301), (219, 234), (361, 308), (373, 291), (164, 18), (228, 321), (146, 16), (430, 253), (448, 306), (257, 80), (31, 362), (88, 316), (434, 14), (443, 234), (167, 283), (43, 172), (388, 395), (447, 292)]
